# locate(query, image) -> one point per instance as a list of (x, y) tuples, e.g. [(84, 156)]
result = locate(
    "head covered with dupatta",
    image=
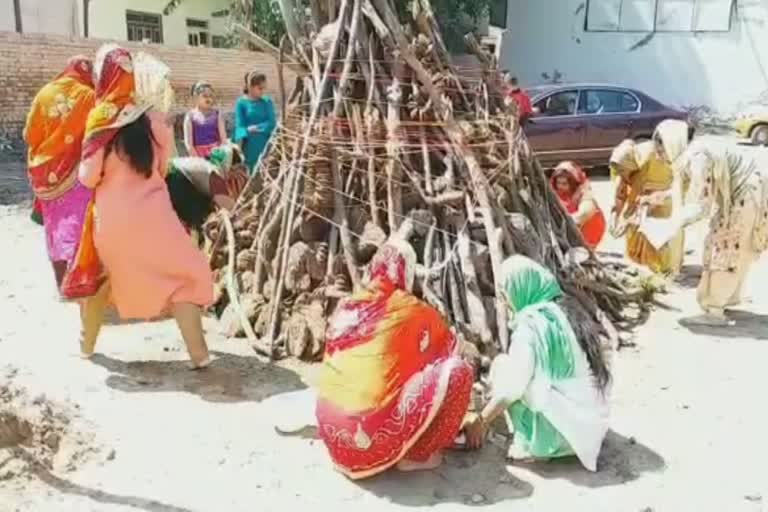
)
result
[(55, 129), (532, 291), (116, 98), (577, 179), (395, 262)]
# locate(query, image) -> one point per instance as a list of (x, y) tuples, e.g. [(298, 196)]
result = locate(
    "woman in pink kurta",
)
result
[(150, 263), (143, 245)]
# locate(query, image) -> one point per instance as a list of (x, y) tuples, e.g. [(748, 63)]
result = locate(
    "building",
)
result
[(193, 22), (684, 52)]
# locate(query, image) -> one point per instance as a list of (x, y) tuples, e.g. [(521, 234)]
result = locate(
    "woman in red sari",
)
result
[(570, 183), (393, 389)]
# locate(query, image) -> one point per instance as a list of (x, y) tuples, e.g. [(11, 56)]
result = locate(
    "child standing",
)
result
[(254, 119), (203, 125)]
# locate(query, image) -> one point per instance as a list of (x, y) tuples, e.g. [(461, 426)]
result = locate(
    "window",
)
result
[(558, 104), (595, 101), (219, 42), (659, 15), (197, 32), (143, 26), (498, 13)]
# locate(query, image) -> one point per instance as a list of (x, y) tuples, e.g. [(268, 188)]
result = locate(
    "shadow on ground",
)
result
[(473, 478), (66, 487), (483, 478), (622, 460), (689, 276), (748, 325), (230, 378)]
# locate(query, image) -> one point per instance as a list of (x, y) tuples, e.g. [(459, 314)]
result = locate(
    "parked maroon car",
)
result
[(584, 122)]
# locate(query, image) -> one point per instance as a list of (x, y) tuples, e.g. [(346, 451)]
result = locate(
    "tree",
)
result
[(265, 17)]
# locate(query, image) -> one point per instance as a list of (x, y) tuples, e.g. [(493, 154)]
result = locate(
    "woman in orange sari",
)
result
[(54, 135), (393, 389), (570, 183)]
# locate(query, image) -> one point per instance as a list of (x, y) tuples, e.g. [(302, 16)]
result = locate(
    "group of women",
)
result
[(394, 389), (676, 181), (98, 161)]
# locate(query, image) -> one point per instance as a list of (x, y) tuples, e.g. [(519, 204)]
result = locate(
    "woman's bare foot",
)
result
[(87, 349), (411, 465), (202, 365), (519, 454), (711, 320)]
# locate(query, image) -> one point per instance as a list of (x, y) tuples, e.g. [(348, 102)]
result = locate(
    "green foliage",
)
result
[(267, 21), (456, 18)]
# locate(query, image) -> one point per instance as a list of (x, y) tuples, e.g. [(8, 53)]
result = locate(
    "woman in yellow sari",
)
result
[(644, 189)]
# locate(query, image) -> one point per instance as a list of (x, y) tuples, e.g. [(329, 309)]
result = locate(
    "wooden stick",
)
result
[(266, 47), (294, 178), (234, 297)]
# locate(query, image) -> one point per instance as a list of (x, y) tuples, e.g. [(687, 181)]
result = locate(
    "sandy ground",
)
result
[(133, 430)]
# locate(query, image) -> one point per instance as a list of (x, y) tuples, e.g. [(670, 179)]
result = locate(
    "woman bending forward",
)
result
[(393, 389), (729, 186), (551, 386)]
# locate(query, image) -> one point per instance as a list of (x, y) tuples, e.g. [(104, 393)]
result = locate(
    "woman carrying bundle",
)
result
[(728, 184), (644, 187), (393, 389), (551, 386), (54, 135), (150, 264), (198, 186)]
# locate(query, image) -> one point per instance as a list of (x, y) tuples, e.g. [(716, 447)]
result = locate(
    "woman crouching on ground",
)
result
[(551, 385), (570, 183), (150, 264), (393, 389)]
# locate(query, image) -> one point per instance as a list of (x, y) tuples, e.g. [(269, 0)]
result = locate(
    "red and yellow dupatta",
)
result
[(382, 382), (115, 107)]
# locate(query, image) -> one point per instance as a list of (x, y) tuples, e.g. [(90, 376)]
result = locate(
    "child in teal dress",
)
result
[(254, 119)]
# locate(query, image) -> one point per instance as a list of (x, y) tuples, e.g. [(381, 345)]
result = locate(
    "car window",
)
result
[(596, 101), (558, 104)]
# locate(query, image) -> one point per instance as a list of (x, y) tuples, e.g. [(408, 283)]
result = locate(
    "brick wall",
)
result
[(28, 61)]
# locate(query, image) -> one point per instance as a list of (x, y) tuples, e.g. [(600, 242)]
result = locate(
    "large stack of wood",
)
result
[(383, 134)]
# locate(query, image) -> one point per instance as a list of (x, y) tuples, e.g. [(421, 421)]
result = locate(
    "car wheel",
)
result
[(760, 135)]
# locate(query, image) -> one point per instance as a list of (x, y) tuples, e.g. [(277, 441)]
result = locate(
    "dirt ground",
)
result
[(133, 430)]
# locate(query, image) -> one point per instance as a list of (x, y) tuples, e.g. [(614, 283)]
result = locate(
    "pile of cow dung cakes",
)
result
[(382, 133)]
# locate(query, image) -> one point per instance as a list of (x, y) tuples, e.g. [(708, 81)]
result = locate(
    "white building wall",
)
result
[(43, 16), (7, 21), (107, 18), (720, 70)]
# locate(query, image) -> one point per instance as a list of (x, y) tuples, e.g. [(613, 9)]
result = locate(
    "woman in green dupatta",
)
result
[(551, 386)]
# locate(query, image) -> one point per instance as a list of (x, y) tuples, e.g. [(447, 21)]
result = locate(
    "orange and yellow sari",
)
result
[(393, 386), (54, 134)]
